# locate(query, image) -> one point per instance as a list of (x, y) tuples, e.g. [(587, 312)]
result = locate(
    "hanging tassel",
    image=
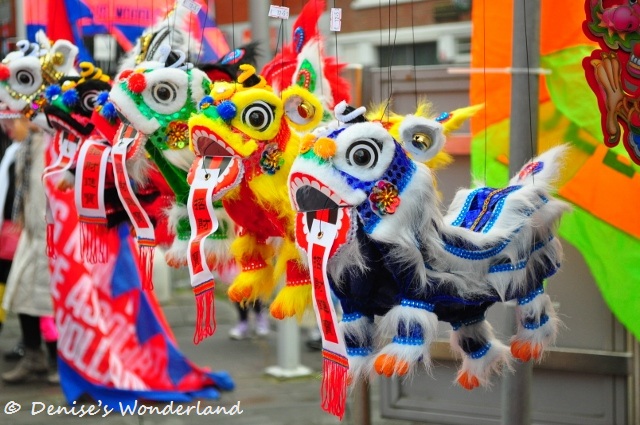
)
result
[(335, 370), (146, 264), (93, 242), (205, 311), (50, 248)]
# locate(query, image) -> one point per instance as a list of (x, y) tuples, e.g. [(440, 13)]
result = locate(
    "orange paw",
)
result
[(525, 350), (389, 365), (468, 381), (239, 294)]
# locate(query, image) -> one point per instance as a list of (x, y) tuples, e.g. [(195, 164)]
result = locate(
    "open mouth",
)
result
[(208, 143), (60, 120), (315, 201)]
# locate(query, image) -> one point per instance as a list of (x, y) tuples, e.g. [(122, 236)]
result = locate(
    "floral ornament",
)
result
[(271, 159), (177, 135), (385, 198)]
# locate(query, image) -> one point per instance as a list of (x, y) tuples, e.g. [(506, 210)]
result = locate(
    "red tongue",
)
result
[(322, 215), (230, 173)]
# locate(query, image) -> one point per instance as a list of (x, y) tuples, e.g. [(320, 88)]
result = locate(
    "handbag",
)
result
[(9, 236)]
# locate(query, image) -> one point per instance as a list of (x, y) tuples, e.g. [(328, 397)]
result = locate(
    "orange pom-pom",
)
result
[(325, 148)]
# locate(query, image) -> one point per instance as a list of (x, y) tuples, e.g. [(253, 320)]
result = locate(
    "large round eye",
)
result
[(258, 115), (164, 92), (25, 78), (89, 100), (363, 153)]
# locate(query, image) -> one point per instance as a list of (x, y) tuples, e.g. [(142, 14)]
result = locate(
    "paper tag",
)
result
[(322, 236), (280, 12), (202, 220), (193, 6), (335, 22)]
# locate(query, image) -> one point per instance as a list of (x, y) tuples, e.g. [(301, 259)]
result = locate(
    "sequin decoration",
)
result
[(443, 117), (177, 135), (384, 198), (530, 169), (307, 76), (298, 37), (271, 159)]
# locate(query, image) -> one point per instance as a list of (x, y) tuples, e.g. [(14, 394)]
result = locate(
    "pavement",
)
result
[(259, 398)]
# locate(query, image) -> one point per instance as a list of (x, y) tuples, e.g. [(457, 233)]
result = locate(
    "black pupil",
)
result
[(361, 157), (24, 78), (163, 93), (256, 118)]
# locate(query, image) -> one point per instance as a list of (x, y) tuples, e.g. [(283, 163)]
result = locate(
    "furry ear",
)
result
[(423, 138), (43, 40), (66, 52), (302, 110)]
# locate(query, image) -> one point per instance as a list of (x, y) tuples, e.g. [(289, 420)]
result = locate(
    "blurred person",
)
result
[(27, 291), (242, 330)]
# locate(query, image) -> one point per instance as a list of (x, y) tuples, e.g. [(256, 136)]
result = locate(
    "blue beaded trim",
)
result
[(509, 267), (533, 325), (495, 215), (465, 207), (418, 304), (475, 255), (530, 296), (359, 351), (481, 352), (352, 317), (468, 322), (405, 340)]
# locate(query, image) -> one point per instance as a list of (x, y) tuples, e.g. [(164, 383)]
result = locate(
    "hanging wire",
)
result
[(526, 50), (337, 95), (391, 56), (320, 64), (413, 50), (484, 77)]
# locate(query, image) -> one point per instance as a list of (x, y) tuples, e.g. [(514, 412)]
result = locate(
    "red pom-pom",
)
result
[(5, 73), (137, 83), (124, 74)]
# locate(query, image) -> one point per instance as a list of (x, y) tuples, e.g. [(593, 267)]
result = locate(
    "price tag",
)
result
[(280, 12), (336, 19), (192, 5)]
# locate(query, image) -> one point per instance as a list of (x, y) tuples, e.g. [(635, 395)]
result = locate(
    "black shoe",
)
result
[(16, 353)]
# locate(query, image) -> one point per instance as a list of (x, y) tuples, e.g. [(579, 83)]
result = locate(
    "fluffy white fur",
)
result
[(127, 107), (181, 158), (410, 316), (361, 367), (491, 363), (545, 335)]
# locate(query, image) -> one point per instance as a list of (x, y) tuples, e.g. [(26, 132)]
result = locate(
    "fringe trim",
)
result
[(146, 265), (50, 247), (335, 370), (205, 312), (93, 242)]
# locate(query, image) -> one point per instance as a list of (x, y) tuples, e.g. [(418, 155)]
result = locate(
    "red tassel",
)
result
[(93, 242), (50, 248), (205, 312), (335, 369), (146, 264)]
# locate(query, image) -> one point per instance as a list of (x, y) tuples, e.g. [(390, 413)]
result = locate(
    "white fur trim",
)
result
[(127, 107), (175, 213), (492, 363), (181, 158), (361, 367), (411, 354), (176, 255), (546, 334), (361, 330)]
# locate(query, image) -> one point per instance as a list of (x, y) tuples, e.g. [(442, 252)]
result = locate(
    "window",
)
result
[(409, 54)]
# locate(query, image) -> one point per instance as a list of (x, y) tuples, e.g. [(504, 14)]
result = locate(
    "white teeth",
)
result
[(315, 185), (306, 181)]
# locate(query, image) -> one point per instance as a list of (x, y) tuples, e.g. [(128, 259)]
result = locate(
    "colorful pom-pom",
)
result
[(102, 98), (109, 111), (205, 102), (137, 83), (70, 98), (52, 91), (227, 110), (125, 74), (5, 73)]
